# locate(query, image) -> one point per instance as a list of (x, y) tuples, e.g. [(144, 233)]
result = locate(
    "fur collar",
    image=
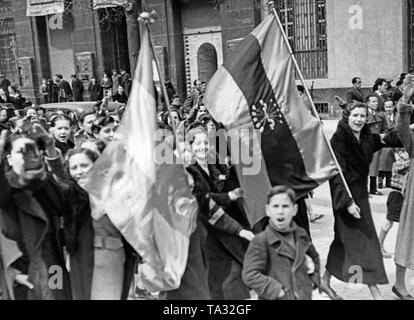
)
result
[(358, 154)]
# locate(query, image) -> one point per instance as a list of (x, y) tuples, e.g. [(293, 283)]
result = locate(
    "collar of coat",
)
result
[(30, 198), (358, 154), (277, 241)]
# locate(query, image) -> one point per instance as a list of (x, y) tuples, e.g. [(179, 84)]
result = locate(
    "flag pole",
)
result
[(149, 18), (271, 5)]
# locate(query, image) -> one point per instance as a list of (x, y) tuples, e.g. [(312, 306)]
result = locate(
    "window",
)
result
[(305, 24), (8, 54), (322, 108)]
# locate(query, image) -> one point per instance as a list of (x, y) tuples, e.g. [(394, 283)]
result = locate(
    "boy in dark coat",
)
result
[(281, 263)]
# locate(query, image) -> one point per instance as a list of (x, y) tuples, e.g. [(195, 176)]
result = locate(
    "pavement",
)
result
[(322, 234)]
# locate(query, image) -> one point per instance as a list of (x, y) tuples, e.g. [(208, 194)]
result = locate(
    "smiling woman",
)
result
[(355, 242)]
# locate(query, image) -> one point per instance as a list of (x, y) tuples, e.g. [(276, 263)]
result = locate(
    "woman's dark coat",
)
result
[(226, 249), (356, 243), (210, 241), (64, 147), (79, 238), (32, 217)]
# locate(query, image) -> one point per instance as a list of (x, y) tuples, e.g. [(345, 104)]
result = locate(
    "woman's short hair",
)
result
[(378, 83), (101, 123), (58, 117), (93, 156), (352, 106), (282, 190), (37, 138), (29, 108), (195, 128), (84, 115)]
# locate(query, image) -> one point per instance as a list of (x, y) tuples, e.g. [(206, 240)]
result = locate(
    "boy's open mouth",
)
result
[(280, 219)]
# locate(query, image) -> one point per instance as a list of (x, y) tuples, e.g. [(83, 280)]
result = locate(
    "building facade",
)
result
[(333, 40)]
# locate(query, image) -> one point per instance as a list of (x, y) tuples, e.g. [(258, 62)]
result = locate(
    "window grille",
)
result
[(322, 108), (8, 53), (305, 24)]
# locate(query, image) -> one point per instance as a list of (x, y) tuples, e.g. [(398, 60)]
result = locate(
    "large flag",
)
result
[(148, 200), (254, 95)]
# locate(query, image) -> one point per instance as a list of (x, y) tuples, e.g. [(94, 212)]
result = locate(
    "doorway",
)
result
[(206, 61), (113, 27), (203, 53)]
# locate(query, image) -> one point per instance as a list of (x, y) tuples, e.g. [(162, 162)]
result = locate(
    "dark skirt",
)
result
[(194, 283), (225, 269), (394, 205), (355, 254)]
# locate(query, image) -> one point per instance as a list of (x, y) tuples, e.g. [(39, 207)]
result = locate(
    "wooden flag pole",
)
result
[(149, 18), (271, 5)]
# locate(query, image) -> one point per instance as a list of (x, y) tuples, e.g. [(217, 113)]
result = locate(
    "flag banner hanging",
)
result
[(255, 89), (99, 4), (44, 7), (149, 201)]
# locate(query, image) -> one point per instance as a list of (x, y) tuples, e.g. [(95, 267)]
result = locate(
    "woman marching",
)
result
[(213, 267), (356, 248), (101, 262)]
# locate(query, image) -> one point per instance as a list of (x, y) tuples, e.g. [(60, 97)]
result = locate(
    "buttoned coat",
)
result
[(271, 264), (356, 242)]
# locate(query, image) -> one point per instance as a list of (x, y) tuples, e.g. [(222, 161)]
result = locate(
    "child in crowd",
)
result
[(395, 199), (281, 263)]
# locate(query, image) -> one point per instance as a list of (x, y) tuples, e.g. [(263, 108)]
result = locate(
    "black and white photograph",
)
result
[(201, 156)]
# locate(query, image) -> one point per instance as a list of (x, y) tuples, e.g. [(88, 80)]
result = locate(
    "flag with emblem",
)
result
[(254, 91), (146, 197)]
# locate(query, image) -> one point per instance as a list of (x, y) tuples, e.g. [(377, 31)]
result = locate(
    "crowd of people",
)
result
[(59, 90), (49, 220)]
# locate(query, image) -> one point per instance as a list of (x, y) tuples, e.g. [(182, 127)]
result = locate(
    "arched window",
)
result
[(206, 61)]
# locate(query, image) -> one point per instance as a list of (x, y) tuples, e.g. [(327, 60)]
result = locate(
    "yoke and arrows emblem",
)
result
[(266, 114)]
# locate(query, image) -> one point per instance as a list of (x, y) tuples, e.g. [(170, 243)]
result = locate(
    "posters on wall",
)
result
[(44, 7)]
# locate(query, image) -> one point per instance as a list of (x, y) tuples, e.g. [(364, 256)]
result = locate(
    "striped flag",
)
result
[(255, 89), (148, 200)]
